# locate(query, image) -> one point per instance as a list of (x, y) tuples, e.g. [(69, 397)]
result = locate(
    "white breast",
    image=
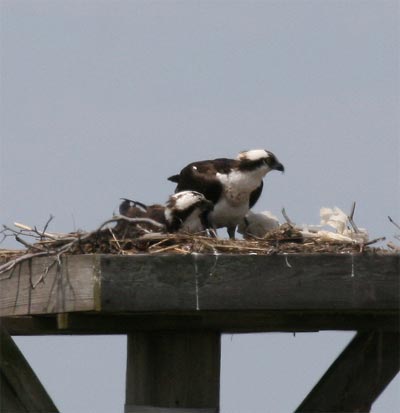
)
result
[(234, 202), (239, 184), (227, 214)]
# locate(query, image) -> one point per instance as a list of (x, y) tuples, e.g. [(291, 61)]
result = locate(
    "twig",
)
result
[(118, 218), (9, 275), (22, 226), (209, 245), (11, 264), (34, 230), (157, 244), (393, 246), (170, 247), (373, 241), (353, 208), (351, 220), (13, 232), (46, 225), (26, 244), (44, 274), (116, 241), (239, 247), (394, 223), (288, 220)]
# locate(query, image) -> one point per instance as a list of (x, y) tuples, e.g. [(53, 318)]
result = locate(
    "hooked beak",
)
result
[(207, 205), (278, 167)]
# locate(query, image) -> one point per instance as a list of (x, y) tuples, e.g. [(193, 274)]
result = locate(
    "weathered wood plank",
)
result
[(70, 286), (238, 282), (190, 283), (221, 321), (358, 376), (20, 389), (173, 370)]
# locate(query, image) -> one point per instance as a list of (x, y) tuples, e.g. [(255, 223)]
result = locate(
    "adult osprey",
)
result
[(184, 211), (232, 185)]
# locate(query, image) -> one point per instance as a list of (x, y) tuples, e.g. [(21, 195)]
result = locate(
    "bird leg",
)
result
[(212, 232), (231, 232)]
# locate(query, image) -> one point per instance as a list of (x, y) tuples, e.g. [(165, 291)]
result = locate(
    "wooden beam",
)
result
[(250, 282), (20, 389), (9, 400), (358, 376), (220, 321), (169, 371), (190, 283), (42, 286)]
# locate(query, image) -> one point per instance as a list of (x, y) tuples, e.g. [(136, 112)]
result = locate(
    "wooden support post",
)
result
[(20, 389), (172, 372), (358, 376)]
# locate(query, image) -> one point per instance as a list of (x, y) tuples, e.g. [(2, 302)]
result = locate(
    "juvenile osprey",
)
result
[(184, 211), (135, 209), (132, 209), (232, 185), (257, 225)]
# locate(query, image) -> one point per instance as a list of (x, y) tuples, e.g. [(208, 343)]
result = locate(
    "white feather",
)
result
[(234, 203), (253, 155), (239, 184), (227, 214), (185, 199), (258, 224), (168, 214)]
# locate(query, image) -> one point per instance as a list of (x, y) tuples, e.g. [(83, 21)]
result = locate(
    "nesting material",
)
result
[(346, 231), (126, 236), (341, 228)]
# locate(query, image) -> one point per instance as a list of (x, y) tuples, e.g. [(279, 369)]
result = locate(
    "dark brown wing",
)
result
[(201, 177), (132, 209), (156, 212), (255, 195)]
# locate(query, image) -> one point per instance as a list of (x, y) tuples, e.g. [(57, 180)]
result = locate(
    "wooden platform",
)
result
[(186, 301)]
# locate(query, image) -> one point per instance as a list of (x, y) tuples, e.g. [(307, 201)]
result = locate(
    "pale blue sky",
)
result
[(105, 99)]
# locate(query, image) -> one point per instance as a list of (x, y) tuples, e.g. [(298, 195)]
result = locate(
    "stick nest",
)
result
[(126, 239)]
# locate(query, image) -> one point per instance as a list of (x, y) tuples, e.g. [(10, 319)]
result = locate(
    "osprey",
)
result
[(232, 185), (184, 211), (132, 209)]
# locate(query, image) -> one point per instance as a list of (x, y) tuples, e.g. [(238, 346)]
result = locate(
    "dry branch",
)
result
[(53, 247), (394, 223), (393, 246), (287, 219), (351, 220)]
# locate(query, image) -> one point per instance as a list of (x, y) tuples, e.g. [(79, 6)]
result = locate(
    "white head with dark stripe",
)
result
[(259, 159), (187, 211)]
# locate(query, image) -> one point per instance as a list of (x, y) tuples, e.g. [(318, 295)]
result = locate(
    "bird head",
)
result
[(259, 158), (185, 204), (188, 200)]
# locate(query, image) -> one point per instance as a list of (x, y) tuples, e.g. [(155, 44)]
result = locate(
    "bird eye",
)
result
[(270, 161)]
